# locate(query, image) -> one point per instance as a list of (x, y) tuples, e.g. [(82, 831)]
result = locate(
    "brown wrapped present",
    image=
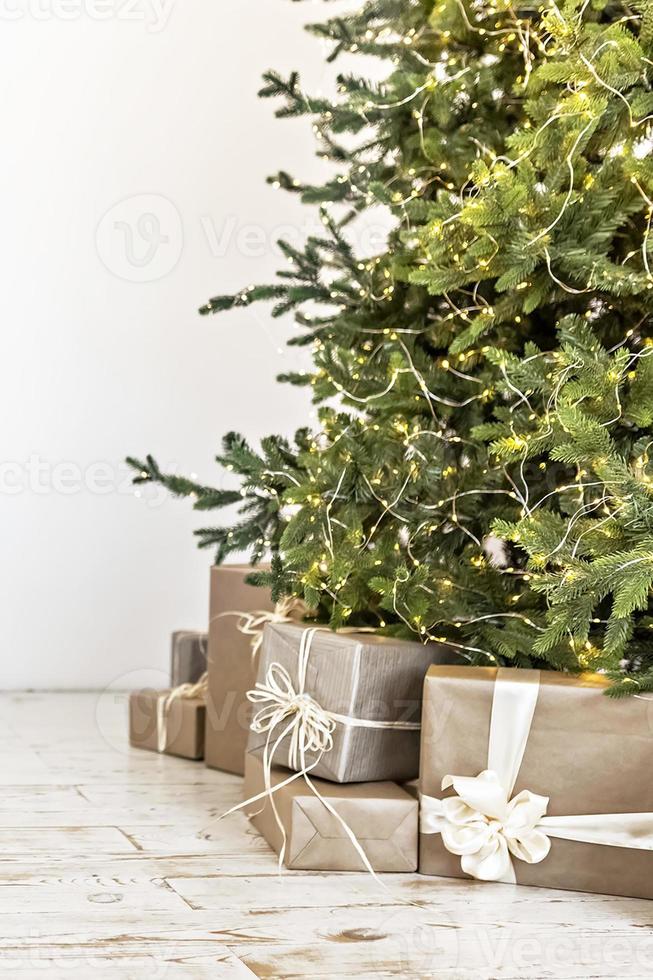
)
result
[(382, 816), (351, 702), (161, 723), (187, 657), (536, 778), (231, 665)]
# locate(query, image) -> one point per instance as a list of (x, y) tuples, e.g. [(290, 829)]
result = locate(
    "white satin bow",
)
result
[(484, 828)]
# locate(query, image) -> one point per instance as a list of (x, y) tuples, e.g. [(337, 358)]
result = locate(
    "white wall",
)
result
[(108, 101)]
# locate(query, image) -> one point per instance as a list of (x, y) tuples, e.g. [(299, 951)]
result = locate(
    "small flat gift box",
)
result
[(538, 778), (372, 684), (382, 816), (174, 726), (187, 657)]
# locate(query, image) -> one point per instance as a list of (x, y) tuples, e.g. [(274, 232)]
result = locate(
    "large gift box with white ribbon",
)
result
[(345, 706), (538, 778), (315, 825)]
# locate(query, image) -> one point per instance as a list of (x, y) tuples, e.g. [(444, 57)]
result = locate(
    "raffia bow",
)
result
[(164, 701), (312, 726), (289, 609), (486, 828)]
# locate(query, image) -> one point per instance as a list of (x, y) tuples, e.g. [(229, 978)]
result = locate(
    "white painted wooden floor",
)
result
[(103, 874)]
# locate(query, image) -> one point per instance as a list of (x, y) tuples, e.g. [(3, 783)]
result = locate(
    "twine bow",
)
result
[(164, 702), (289, 609), (312, 726)]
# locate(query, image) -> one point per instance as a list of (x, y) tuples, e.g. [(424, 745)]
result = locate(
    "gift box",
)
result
[(187, 657), (381, 815), (536, 778), (231, 665), (351, 701), (163, 724)]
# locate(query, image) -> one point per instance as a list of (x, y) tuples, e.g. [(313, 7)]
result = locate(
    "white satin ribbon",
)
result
[(197, 690), (486, 826)]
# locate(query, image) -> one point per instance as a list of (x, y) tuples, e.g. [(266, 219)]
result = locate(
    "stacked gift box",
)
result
[(173, 720), (525, 776), (210, 675), (365, 692), (381, 815), (188, 657), (163, 723)]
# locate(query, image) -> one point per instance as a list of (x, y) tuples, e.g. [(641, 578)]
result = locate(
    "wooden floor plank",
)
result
[(59, 843), (50, 895), (123, 962)]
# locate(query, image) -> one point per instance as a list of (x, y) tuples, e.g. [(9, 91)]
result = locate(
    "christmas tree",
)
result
[(483, 479)]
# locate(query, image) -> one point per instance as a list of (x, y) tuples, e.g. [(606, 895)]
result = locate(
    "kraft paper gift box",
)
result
[(187, 657), (382, 816), (358, 676), (183, 724), (231, 666), (566, 796)]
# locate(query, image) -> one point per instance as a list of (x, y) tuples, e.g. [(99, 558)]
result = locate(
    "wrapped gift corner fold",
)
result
[(538, 778), (161, 723), (351, 702), (381, 815)]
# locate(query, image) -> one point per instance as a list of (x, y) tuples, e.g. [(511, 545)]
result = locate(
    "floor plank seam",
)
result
[(186, 901), (131, 840)]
